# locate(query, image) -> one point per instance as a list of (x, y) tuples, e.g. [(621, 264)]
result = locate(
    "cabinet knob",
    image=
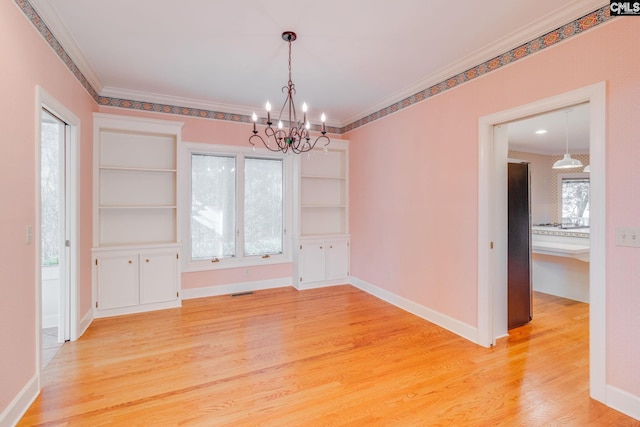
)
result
[(147, 260), (331, 247), (130, 262), (320, 247)]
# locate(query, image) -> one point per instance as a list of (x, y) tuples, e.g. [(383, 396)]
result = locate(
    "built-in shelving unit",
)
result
[(136, 216), (322, 220), (323, 191)]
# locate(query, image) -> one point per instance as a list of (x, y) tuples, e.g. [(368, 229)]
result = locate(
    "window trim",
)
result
[(240, 260)]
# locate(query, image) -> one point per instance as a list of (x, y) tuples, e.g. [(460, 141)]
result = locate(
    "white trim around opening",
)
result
[(492, 230)]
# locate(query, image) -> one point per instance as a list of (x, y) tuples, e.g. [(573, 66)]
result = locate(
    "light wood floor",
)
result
[(325, 357)]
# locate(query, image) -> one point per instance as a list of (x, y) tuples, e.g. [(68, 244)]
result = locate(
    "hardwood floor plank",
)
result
[(331, 357)]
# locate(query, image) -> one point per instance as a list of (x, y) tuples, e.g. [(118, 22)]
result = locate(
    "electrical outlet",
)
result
[(628, 236)]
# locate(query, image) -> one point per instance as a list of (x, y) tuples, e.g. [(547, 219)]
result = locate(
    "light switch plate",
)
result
[(628, 236)]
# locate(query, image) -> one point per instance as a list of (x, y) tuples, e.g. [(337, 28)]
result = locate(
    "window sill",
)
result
[(229, 263)]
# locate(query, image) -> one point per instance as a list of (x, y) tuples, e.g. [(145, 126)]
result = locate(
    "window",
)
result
[(238, 208), (263, 206), (575, 201), (213, 206), (51, 188)]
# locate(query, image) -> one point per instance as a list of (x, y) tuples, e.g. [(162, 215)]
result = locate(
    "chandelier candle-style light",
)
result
[(296, 138)]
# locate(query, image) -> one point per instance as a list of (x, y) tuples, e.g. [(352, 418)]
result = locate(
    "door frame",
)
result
[(72, 215), (492, 251)]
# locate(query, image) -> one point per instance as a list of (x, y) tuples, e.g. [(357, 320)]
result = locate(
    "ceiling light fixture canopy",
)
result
[(296, 138), (567, 162)]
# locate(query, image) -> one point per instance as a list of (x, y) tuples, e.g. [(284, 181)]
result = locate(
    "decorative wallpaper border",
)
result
[(561, 232), (551, 38), (44, 30)]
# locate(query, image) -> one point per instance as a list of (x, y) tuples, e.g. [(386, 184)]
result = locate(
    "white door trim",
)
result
[(45, 100), (491, 229)]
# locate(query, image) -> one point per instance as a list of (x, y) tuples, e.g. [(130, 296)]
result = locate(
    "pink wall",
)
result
[(414, 186), (26, 62), (413, 210)]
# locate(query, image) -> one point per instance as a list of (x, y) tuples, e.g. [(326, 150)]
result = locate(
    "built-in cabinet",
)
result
[(136, 242), (322, 255), (132, 278)]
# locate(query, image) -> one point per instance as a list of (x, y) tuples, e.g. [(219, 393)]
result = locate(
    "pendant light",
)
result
[(567, 162)]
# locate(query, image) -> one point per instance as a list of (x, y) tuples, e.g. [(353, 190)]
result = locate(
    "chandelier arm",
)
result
[(263, 143)]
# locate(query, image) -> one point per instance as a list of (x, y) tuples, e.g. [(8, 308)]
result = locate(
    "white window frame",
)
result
[(240, 260)]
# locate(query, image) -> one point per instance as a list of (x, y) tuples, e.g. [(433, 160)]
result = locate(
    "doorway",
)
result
[(53, 234), (56, 229), (492, 251), (553, 209)]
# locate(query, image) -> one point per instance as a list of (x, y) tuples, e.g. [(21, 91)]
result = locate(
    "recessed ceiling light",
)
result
[(541, 132)]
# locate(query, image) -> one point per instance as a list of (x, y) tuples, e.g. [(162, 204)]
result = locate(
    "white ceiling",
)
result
[(572, 122), (351, 58)]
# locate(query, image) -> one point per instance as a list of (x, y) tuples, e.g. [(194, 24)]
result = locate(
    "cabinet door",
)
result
[(313, 261), (158, 277), (117, 281), (337, 259)]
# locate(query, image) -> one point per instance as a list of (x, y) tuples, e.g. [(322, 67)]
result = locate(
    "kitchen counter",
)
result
[(555, 241), (560, 261)]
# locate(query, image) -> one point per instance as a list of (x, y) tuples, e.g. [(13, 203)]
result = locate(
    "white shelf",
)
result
[(135, 190)]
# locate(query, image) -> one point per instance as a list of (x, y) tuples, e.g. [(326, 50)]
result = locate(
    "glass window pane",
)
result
[(263, 206), (213, 206), (575, 202), (52, 140)]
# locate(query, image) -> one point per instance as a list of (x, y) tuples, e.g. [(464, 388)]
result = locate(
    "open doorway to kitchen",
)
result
[(557, 231), (492, 238), (56, 226)]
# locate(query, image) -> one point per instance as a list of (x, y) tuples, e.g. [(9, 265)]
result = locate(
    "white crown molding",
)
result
[(59, 30), (178, 101), (537, 28)]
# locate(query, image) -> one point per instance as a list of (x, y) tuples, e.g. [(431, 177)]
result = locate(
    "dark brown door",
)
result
[(519, 246)]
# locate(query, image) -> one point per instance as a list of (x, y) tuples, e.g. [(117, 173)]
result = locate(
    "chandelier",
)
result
[(296, 138)]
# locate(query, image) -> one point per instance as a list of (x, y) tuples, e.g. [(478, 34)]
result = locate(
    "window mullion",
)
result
[(240, 206)]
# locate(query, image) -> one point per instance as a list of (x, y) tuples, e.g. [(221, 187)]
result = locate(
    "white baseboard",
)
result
[(141, 308), (19, 405), (459, 328), (213, 291), (322, 284), (85, 322), (623, 401)]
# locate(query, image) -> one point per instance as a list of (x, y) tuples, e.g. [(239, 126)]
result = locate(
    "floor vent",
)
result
[(240, 294)]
